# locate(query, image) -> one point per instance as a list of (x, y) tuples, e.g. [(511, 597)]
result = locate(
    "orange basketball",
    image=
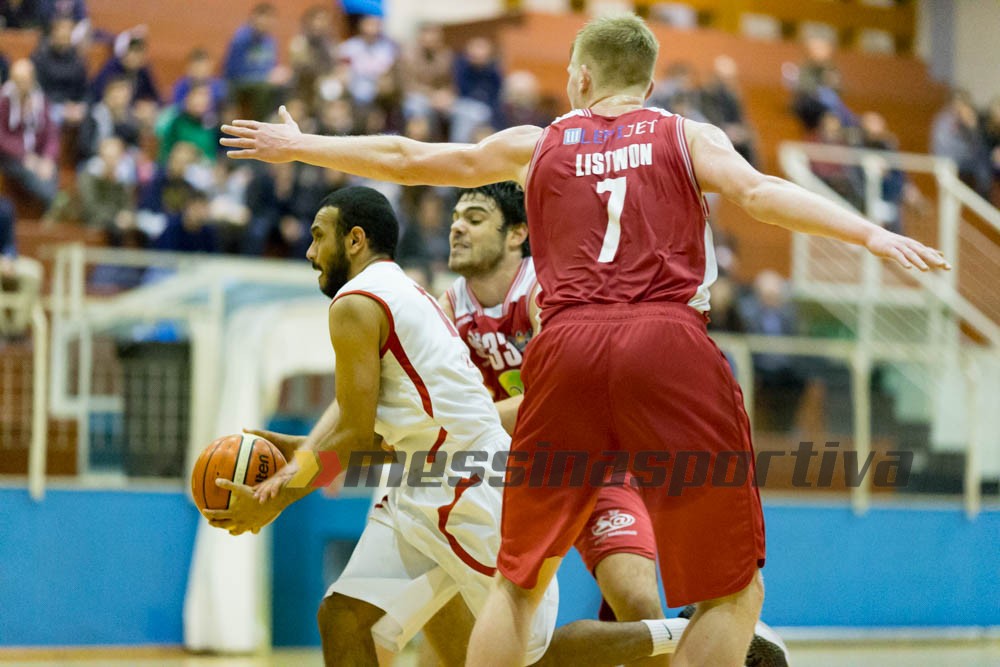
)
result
[(242, 458)]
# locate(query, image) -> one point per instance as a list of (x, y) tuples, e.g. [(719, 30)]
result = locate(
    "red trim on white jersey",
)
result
[(443, 514), (385, 307), (393, 345), (432, 454), (521, 270)]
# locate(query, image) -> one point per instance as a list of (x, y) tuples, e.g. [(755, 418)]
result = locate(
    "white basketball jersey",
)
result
[(431, 395)]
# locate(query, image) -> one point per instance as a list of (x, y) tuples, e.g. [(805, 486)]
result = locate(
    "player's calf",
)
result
[(345, 628), (628, 584), (721, 629)]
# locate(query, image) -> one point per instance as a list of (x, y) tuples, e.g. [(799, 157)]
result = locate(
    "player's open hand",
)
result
[(906, 251), (267, 142), (269, 489), (245, 512)]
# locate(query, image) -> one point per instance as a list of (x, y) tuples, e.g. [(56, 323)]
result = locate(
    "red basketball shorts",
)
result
[(640, 386), (619, 524)]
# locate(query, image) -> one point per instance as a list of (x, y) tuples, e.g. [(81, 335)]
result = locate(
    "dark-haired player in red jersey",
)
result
[(617, 221)]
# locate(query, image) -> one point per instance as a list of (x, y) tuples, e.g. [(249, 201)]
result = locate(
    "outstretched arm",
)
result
[(773, 200), (503, 156)]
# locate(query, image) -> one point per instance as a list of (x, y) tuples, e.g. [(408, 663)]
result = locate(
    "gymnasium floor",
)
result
[(984, 653)]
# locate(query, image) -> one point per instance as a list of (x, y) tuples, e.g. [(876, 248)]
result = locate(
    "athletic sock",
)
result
[(666, 633)]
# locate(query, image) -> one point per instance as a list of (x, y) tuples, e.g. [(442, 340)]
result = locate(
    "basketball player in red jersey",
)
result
[(617, 218), (494, 306)]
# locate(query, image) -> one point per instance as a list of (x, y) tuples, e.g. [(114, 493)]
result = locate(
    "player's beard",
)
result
[(480, 261), (334, 273)]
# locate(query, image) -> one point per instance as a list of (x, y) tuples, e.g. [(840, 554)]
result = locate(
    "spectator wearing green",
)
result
[(192, 122)]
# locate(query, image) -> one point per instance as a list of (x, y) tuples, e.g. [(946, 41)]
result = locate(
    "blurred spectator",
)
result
[(62, 73), (111, 117), (678, 92), (283, 198), (29, 137), (172, 187), (846, 180), (269, 195), (957, 134), (251, 66), (107, 188), (53, 10), (337, 118), (8, 242), (133, 66), (768, 311), (522, 100), (991, 131), (425, 239), (227, 203), (387, 105), (896, 190), (428, 71), (478, 80), (722, 105), (20, 14), (20, 278), (313, 53), (725, 315), (4, 69), (189, 230), (817, 85), (192, 122), (369, 55), (200, 71)]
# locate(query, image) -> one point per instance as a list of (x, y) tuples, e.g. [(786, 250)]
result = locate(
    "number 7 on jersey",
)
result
[(616, 202)]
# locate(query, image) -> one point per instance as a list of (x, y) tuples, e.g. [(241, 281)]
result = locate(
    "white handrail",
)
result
[(38, 452)]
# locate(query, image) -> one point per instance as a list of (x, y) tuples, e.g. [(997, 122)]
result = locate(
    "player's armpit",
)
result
[(717, 165), (358, 328), (534, 310)]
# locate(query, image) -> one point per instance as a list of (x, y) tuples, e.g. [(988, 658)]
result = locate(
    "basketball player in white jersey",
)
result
[(403, 373)]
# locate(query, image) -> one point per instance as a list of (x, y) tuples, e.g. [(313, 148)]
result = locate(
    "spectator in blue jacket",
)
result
[(251, 62)]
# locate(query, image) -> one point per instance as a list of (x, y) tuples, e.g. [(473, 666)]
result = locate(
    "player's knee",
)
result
[(750, 598), (635, 605)]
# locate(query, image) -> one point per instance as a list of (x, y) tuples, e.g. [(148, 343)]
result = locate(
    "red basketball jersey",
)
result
[(615, 213), (497, 336)]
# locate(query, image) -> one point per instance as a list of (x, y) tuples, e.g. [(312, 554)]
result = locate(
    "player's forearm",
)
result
[(386, 158), (778, 202), (323, 429), (507, 408)]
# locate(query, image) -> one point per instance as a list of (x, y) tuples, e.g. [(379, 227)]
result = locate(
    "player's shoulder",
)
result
[(355, 307), (574, 114)]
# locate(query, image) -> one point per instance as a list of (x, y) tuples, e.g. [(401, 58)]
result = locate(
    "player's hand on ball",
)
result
[(270, 488), (286, 444), (268, 142), (906, 251), (245, 512)]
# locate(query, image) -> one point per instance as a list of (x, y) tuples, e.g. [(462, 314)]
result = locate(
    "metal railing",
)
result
[(196, 294), (853, 285)]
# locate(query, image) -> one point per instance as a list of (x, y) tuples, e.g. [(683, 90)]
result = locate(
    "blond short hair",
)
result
[(619, 49)]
